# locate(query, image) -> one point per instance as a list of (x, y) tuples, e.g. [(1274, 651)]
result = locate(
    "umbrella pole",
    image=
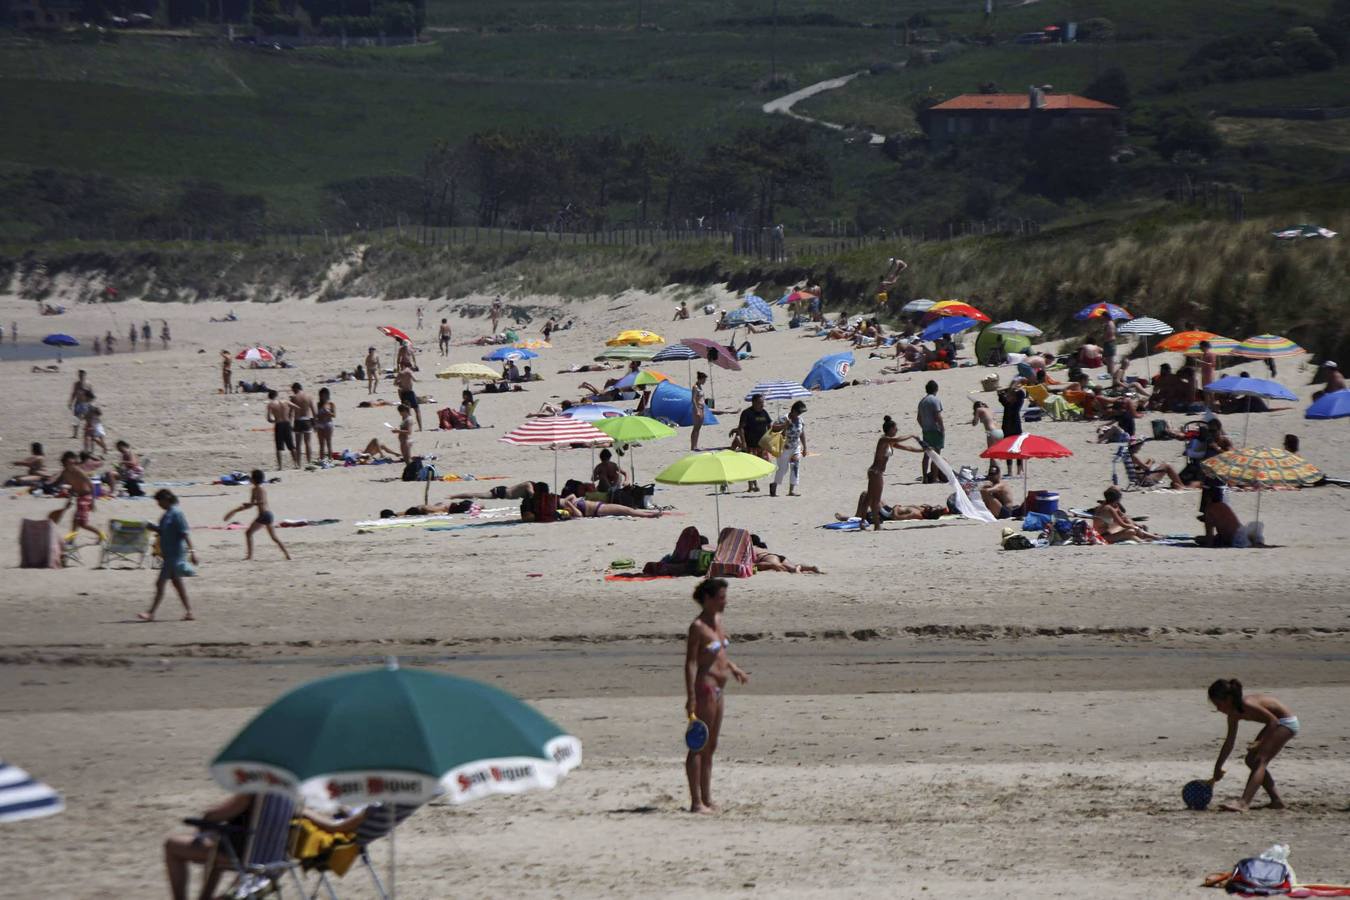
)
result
[(393, 887), (1247, 420), (1026, 464), (1148, 363), (717, 505), (555, 468), (1258, 504)]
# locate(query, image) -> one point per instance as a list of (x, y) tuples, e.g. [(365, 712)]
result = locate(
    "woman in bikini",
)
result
[(706, 668), (982, 415), (1112, 523), (325, 411), (1279, 726), (581, 508), (887, 444), (768, 561)]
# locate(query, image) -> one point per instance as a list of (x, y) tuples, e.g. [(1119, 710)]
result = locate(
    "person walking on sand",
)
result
[(163, 334), (698, 406), (933, 429), (1011, 398), (109, 343), (145, 332), (175, 550), (372, 371), (407, 394), (419, 318), (226, 370), (82, 493), (81, 397), (706, 669), (131, 336), (325, 411), (279, 413), (303, 422), (443, 337), (887, 444), (257, 499), (1209, 361), (1279, 726), (789, 460), (496, 313), (407, 356)]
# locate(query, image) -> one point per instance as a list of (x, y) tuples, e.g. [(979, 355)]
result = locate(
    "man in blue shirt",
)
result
[(175, 547)]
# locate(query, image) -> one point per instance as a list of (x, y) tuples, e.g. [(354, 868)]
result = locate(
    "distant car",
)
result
[(119, 22), (1032, 37), (141, 20)]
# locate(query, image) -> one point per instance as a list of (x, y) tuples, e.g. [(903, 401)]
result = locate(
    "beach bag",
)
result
[(638, 496), (772, 443), (989, 382), (1260, 877), (417, 470), (1034, 521), (1013, 541)]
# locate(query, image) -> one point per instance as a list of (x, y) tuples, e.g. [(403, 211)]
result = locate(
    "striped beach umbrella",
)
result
[(778, 391), (255, 354), (679, 351), (922, 305), (1146, 327), (642, 354), (553, 432), (1267, 346), (24, 797), (1221, 346)]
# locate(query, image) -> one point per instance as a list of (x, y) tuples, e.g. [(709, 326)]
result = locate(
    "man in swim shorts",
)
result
[(406, 394), (279, 413), (304, 421)]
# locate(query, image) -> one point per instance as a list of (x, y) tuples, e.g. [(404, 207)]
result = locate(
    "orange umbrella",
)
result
[(1184, 340), (954, 308)]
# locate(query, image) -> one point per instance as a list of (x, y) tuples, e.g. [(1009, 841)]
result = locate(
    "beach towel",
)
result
[(734, 557), (635, 576), (39, 545), (966, 505)]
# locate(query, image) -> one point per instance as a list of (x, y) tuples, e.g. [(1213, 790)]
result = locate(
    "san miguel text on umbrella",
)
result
[(374, 785), (494, 773)]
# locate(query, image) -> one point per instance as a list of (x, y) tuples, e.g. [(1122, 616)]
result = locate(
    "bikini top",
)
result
[(718, 645)]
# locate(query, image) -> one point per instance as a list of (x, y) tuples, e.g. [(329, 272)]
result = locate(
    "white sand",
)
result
[(1071, 784)]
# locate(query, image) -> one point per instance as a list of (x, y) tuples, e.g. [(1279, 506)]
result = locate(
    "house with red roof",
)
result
[(1017, 116)]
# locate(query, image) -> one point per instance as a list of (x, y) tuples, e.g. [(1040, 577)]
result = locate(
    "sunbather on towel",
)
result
[(897, 513), (580, 508), (1112, 523), (428, 509), (501, 492), (766, 561)]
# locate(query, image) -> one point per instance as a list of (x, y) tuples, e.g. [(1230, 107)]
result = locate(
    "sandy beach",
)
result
[(932, 717)]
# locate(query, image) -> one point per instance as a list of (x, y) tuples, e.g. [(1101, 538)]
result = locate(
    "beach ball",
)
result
[(1197, 794)]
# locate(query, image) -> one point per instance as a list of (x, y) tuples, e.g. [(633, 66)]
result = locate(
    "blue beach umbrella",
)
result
[(1335, 405), (777, 391), (759, 305), (60, 340), (592, 412), (829, 372), (679, 351), (744, 316), (501, 354), (24, 797), (1250, 387), (946, 325)]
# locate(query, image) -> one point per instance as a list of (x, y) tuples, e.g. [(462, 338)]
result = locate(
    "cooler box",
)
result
[(1046, 502)]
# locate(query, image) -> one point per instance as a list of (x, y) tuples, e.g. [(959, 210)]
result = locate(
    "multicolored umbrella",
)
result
[(470, 371), (640, 378), (1015, 327), (397, 736), (634, 338), (1268, 346), (1182, 341), (798, 297), (632, 429), (1024, 447), (255, 354), (1103, 310), (535, 344), (501, 354), (1262, 468), (1220, 345), (24, 797), (720, 467), (1335, 405), (396, 333), (554, 432)]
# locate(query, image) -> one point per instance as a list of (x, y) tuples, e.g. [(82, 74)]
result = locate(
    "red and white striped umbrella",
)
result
[(254, 354), (554, 432)]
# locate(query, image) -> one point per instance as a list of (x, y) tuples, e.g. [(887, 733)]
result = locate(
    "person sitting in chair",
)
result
[(180, 850)]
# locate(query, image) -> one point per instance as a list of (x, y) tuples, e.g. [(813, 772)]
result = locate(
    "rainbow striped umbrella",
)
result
[(1221, 346), (1267, 346)]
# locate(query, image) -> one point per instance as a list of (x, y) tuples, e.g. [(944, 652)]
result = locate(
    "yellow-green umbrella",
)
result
[(647, 376), (641, 354), (1262, 467), (719, 467), (635, 337), (631, 429), (470, 371)]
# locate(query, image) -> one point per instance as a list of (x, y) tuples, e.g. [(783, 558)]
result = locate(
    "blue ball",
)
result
[(1197, 794)]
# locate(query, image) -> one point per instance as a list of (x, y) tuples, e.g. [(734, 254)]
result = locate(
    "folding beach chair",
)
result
[(1055, 406), (265, 861), (127, 538), (734, 557), (380, 821)]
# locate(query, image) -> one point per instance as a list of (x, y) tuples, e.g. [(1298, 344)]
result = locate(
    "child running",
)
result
[(257, 499), (1279, 726)]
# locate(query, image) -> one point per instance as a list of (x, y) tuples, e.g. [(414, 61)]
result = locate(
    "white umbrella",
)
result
[(1145, 326), (917, 306), (1016, 327), (24, 797)]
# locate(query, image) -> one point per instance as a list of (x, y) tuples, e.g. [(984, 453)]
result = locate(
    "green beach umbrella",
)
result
[(397, 736), (641, 354), (716, 467), (631, 429)]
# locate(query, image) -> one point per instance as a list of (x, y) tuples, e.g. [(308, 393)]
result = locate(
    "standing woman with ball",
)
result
[(706, 669)]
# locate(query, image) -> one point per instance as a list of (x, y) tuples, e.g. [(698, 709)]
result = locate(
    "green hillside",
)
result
[(130, 130)]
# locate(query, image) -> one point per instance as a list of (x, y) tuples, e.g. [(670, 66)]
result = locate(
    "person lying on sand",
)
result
[(581, 508), (1112, 523), (428, 509), (587, 367), (765, 561), (1279, 726), (518, 491), (898, 513)]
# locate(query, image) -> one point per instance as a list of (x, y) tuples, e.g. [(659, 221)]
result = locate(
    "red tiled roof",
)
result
[(1018, 102)]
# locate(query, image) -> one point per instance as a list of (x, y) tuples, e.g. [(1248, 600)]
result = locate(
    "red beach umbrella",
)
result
[(1024, 447), (395, 333)]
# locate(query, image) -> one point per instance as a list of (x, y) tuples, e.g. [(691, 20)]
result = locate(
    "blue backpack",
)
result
[(1260, 878)]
